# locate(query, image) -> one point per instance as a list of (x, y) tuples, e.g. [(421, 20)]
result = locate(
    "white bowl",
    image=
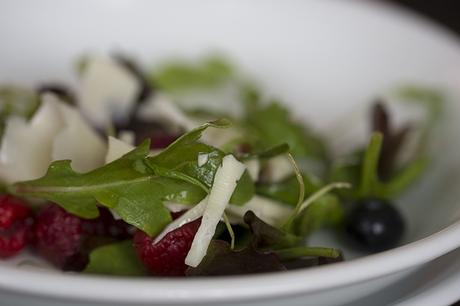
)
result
[(322, 57)]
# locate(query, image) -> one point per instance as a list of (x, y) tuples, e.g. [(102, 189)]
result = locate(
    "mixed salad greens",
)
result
[(138, 173)]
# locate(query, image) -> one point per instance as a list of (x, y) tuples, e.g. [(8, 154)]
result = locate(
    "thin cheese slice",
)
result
[(27, 145), (191, 215), (161, 108), (266, 209), (77, 141), (279, 168), (107, 90), (253, 166), (225, 181), (116, 149)]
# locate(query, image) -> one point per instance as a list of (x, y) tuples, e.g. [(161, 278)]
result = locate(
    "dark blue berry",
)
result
[(374, 225)]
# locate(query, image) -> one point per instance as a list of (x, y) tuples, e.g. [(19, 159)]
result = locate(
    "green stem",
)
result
[(230, 231), (369, 170), (299, 178), (298, 252)]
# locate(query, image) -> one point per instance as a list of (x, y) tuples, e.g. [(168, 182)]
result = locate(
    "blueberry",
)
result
[(374, 225)]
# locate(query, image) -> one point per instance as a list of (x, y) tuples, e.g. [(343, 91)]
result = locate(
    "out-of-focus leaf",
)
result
[(272, 125), (326, 211), (118, 259), (287, 191), (369, 177), (392, 140), (220, 260), (267, 236), (180, 75)]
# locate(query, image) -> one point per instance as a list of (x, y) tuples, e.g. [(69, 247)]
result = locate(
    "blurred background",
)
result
[(446, 12)]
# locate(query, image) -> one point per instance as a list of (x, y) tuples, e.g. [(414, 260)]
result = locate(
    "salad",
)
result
[(190, 170)]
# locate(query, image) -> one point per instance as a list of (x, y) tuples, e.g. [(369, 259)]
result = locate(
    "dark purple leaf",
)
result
[(392, 139), (220, 260), (267, 236)]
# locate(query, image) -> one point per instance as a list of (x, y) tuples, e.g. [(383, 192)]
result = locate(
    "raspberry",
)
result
[(167, 257), (161, 140), (16, 222), (145, 129), (66, 240)]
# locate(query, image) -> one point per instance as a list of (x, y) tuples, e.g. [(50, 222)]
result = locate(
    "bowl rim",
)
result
[(243, 288), (249, 287)]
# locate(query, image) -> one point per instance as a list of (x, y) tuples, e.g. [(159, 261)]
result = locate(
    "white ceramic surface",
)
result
[(322, 57)]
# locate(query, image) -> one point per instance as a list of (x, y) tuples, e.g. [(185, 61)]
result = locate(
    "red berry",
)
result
[(161, 140), (143, 129), (167, 257), (66, 240), (16, 222)]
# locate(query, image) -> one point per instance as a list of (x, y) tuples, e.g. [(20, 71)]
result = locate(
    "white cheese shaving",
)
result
[(279, 168), (253, 166), (127, 136), (202, 159), (161, 108), (266, 209), (225, 181), (77, 141), (176, 207), (107, 89), (116, 149), (221, 137), (27, 145), (189, 216), (56, 131)]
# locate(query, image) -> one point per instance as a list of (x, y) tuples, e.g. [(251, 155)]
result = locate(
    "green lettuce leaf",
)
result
[(115, 259)]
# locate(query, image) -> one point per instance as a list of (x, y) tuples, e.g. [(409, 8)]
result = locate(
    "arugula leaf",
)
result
[(135, 186), (115, 259), (181, 157), (181, 75), (221, 260), (273, 126), (244, 190), (125, 185)]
